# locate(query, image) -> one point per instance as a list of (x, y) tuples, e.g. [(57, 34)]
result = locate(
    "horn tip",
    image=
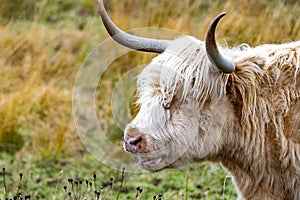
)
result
[(222, 62), (222, 14)]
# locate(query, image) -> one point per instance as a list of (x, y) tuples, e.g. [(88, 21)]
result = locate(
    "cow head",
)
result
[(181, 116)]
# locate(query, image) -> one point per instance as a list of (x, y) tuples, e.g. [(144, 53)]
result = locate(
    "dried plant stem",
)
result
[(122, 180), (58, 182), (95, 177), (19, 185), (224, 186), (187, 185), (4, 183)]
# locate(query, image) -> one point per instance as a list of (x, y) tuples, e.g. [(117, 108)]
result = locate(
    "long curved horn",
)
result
[(223, 63), (130, 41)]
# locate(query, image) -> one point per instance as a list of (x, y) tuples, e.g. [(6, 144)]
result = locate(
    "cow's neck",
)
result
[(254, 161)]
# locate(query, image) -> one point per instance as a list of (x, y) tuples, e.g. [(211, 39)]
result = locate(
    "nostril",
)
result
[(136, 141), (135, 144)]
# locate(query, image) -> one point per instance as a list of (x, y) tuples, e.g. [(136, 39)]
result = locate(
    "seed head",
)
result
[(70, 180)]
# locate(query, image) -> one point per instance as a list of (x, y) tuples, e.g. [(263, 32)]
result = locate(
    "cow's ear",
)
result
[(233, 94)]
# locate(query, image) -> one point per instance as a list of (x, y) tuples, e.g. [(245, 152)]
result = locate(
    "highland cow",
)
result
[(202, 102)]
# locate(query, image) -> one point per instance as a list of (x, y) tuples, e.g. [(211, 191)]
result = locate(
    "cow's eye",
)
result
[(167, 101), (166, 104), (167, 98)]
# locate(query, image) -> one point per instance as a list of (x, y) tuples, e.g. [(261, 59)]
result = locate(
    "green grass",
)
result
[(42, 45), (46, 180)]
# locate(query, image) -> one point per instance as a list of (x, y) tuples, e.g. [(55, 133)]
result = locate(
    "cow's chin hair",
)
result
[(156, 164), (152, 165), (159, 164)]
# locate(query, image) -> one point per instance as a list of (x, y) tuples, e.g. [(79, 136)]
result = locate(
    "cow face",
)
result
[(161, 134), (172, 128)]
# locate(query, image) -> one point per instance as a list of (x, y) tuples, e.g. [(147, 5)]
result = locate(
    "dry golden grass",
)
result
[(39, 59), (252, 21), (38, 68)]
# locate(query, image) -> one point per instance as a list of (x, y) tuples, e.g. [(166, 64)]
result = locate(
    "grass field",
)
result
[(42, 46)]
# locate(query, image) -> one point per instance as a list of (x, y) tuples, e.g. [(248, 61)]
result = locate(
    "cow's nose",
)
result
[(134, 142)]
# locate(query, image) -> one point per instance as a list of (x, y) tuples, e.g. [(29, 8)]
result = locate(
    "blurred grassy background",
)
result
[(43, 43)]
